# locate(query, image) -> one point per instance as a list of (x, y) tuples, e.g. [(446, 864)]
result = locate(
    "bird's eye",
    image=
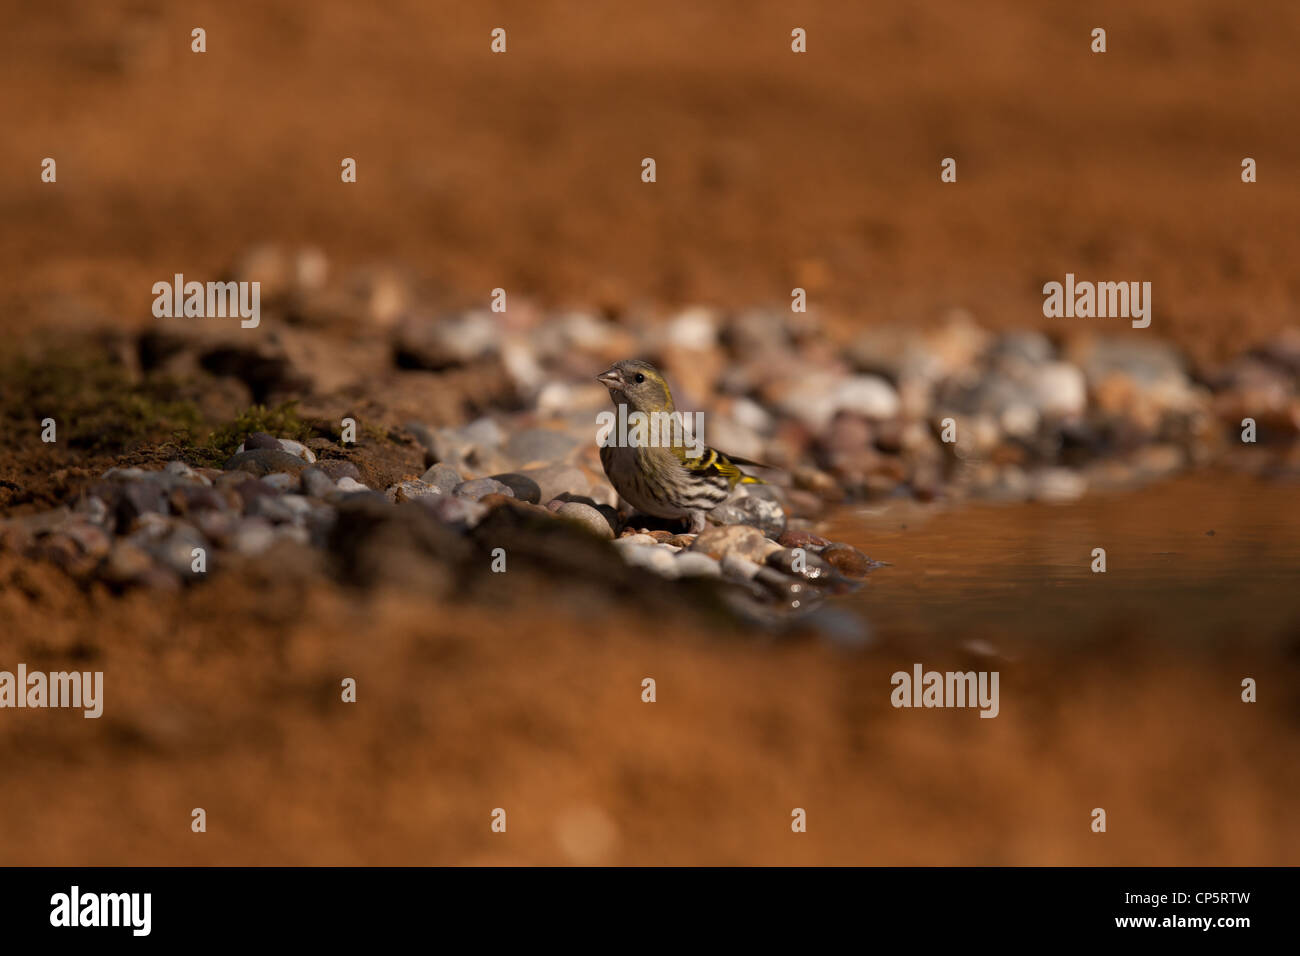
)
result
[(639, 378)]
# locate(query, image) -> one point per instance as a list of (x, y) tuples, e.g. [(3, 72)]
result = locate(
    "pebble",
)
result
[(280, 481), (410, 489), (846, 559), (556, 480), (739, 568), (260, 440), (692, 564), (140, 498), (759, 512), (807, 565), (253, 536), (739, 540), (443, 477), (449, 509), (176, 551), (265, 461), (589, 518), (867, 395), (523, 487), (478, 487), (651, 558), (316, 482), (299, 449), (1060, 390), (802, 539)]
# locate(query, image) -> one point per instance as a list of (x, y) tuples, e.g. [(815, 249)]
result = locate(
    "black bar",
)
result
[(333, 906)]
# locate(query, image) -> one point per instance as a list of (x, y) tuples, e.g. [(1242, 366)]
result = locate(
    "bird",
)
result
[(674, 477)]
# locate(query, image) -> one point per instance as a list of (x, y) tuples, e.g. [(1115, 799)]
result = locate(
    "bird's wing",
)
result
[(714, 463)]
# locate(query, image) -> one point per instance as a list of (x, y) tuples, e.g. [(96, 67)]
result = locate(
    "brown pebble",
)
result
[(802, 539), (847, 560), (661, 536), (680, 540)]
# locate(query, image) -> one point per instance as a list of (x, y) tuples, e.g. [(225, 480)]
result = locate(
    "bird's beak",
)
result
[(610, 379)]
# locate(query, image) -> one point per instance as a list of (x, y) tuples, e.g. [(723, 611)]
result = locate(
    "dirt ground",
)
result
[(523, 171)]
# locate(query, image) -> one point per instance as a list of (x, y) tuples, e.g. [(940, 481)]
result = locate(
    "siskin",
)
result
[(674, 477)]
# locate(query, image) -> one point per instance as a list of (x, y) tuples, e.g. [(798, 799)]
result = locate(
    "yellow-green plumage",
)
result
[(667, 480)]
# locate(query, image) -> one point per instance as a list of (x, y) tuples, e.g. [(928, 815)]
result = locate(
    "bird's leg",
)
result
[(697, 522)]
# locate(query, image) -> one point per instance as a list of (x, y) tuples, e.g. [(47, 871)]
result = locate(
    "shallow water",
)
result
[(1208, 556)]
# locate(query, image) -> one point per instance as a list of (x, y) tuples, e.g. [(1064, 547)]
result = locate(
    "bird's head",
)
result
[(639, 385)]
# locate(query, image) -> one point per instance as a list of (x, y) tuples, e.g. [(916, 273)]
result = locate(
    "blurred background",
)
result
[(775, 170)]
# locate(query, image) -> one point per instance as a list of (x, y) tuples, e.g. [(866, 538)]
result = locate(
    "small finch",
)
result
[(675, 477)]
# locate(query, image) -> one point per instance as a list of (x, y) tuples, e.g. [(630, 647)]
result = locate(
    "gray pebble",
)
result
[(524, 488), (651, 558), (253, 536), (260, 440), (443, 477), (316, 483), (478, 487), (462, 512), (742, 569), (692, 564), (553, 481), (755, 509), (265, 461), (280, 481), (588, 517)]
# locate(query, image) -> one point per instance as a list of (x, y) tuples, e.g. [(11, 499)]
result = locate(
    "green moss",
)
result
[(281, 421), (96, 405)]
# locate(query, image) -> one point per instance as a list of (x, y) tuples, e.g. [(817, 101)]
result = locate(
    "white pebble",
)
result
[(297, 448)]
